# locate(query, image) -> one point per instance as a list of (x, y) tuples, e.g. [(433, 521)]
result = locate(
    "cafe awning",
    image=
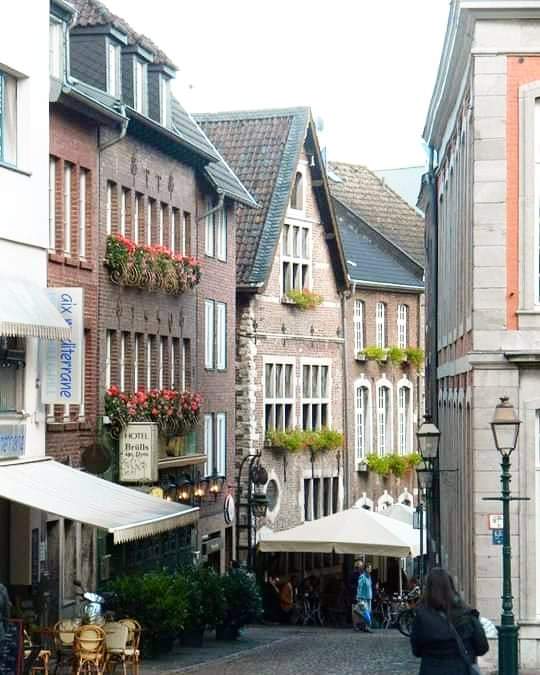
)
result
[(26, 311), (354, 530), (56, 488)]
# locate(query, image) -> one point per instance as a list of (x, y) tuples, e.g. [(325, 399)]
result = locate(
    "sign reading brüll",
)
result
[(62, 360), (139, 453)]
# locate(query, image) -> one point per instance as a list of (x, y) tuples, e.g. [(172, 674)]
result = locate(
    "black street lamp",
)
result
[(418, 524), (256, 502), (429, 438), (505, 428)]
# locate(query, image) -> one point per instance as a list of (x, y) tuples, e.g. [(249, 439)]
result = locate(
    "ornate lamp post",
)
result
[(429, 438), (418, 524), (505, 428), (255, 500)]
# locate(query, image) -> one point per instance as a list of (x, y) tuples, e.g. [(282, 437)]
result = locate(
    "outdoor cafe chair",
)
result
[(89, 648), (64, 636), (116, 639), (133, 648)]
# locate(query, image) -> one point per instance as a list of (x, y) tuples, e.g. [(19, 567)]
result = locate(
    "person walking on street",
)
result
[(446, 634), (364, 594)]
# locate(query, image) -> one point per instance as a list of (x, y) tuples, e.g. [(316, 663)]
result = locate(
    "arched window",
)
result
[(364, 502), (297, 195), (403, 326), (380, 324), (362, 417), (358, 326), (384, 418), (385, 501), (405, 417)]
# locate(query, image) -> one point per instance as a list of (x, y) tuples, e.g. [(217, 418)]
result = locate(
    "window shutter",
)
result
[(221, 338), (209, 444), (209, 333), (221, 439)]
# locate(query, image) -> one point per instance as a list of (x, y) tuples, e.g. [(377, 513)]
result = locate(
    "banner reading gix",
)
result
[(62, 361)]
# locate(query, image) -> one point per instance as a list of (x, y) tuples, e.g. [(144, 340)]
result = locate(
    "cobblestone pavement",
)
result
[(272, 650)]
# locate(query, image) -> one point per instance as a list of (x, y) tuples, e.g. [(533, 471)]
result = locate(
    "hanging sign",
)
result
[(62, 360), (497, 537), (495, 521), (138, 456), (229, 509)]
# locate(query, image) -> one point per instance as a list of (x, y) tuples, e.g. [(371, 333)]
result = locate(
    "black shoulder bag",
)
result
[(473, 669)]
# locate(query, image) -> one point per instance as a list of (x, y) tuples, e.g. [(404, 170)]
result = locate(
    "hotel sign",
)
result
[(139, 451), (62, 360)]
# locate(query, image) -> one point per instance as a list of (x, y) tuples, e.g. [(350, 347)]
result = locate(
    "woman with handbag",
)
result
[(447, 634)]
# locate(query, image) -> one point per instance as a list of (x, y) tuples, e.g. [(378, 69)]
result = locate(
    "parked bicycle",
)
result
[(406, 616)]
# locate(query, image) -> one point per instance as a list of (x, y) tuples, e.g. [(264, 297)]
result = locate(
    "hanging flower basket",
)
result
[(153, 268), (176, 413)]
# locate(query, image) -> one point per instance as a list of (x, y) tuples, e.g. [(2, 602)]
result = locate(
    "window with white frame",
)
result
[(162, 348), (123, 210), (56, 49), (403, 325), (186, 233), (164, 95), (297, 194), (83, 185), (67, 206), (123, 350), (215, 335), (136, 215), (149, 350), (315, 396), (149, 221), (404, 420), (175, 229), (113, 69), (362, 426), (278, 395), (8, 118), (215, 443), (52, 203), (161, 224), (358, 326), (295, 258), (139, 86), (380, 324), (136, 351), (11, 375), (174, 365), (109, 207), (216, 233), (185, 378), (383, 419), (108, 358)]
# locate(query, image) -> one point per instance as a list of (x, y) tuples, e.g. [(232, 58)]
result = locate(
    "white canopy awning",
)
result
[(355, 531), (55, 488), (404, 513), (26, 311)]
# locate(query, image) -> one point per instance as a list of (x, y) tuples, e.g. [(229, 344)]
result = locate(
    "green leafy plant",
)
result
[(292, 441), (413, 460), (243, 600), (396, 355), (415, 356), (324, 440), (375, 353), (379, 464), (305, 299), (206, 606), (394, 464), (398, 465)]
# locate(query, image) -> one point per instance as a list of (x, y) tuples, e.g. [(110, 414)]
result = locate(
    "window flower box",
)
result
[(361, 357), (304, 299), (153, 268)]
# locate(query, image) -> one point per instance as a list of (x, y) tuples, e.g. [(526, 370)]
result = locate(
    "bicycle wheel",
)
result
[(405, 622)]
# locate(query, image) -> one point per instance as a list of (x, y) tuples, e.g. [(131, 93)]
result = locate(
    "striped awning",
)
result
[(126, 513), (26, 311)]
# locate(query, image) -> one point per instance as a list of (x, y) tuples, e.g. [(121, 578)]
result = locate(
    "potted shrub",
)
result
[(205, 603), (324, 440), (375, 354), (414, 356), (290, 441), (396, 355), (304, 299), (243, 603)]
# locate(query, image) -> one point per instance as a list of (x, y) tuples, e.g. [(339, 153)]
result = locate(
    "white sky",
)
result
[(367, 67)]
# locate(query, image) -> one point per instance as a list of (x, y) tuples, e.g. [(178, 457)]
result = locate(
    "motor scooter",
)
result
[(95, 608)]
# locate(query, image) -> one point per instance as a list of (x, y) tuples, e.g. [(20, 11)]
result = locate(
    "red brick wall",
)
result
[(73, 139)]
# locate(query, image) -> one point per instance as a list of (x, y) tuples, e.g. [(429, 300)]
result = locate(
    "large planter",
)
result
[(227, 631)]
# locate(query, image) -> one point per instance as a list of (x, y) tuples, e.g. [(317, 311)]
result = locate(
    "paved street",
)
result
[(279, 651)]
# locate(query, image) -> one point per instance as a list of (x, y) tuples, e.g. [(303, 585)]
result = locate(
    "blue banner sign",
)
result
[(12, 440)]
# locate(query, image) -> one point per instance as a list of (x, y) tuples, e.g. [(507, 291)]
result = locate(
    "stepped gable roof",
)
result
[(379, 206), (263, 148), (372, 259), (95, 13)]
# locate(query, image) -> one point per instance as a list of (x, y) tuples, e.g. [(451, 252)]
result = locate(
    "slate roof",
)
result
[(371, 257), (95, 13), (263, 149), (378, 205)]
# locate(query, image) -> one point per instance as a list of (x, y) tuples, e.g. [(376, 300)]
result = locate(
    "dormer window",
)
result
[(56, 49), (297, 195), (164, 98), (113, 69), (139, 86)]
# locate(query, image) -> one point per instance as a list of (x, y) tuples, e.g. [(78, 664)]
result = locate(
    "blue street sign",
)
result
[(497, 537)]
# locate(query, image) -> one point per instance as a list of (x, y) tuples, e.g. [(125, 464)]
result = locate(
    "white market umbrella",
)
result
[(354, 531), (404, 514)]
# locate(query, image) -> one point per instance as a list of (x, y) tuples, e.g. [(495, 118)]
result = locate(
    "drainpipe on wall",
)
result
[(346, 459)]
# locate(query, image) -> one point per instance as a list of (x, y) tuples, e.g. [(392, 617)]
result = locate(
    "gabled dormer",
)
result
[(135, 63), (159, 93), (96, 56)]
